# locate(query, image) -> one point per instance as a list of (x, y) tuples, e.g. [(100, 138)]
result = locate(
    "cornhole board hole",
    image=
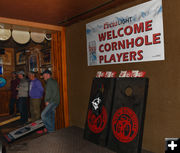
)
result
[(128, 113), (20, 132), (99, 110)]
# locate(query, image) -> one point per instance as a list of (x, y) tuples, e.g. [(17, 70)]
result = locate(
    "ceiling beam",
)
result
[(27, 25)]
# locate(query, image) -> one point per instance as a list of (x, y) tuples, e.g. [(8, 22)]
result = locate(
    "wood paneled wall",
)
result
[(5, 93), (4, 102), (8, 66)]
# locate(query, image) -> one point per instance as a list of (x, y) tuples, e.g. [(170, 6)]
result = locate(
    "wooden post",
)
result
[(58, 58)]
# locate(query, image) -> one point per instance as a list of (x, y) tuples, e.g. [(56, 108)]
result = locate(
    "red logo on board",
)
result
[(125, 124), (97, 123)]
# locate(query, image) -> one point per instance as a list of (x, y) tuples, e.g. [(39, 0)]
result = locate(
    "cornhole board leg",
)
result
[(20, 132)]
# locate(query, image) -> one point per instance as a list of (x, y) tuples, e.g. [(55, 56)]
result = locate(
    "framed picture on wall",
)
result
[(33, 63), (20, 58), (45, 58), (7, 58)]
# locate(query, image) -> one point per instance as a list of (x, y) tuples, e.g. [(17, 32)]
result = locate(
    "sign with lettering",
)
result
[(131, 35)]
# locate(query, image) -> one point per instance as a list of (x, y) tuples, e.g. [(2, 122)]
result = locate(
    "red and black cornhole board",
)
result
[(23, 131), (128, 112), (99, 110)]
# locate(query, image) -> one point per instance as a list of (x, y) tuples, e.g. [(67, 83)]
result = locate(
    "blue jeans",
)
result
[(48, 116), (11, 105)]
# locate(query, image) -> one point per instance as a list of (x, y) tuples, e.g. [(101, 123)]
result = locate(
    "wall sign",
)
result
[(2, 82), (131, 35)]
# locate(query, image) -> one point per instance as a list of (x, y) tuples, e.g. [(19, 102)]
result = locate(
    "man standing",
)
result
[(35, 93), (52, 100), (23, 96), (14, 83)]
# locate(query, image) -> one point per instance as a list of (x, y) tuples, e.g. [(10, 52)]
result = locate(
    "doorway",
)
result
[(37, 57)]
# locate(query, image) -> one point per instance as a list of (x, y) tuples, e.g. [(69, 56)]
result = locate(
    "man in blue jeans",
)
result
[(52, 100), (23, 97)]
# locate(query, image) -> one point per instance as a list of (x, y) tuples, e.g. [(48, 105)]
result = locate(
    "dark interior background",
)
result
[(163, 102)]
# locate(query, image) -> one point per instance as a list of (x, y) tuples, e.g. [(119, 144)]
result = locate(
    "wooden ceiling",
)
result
[(55, 12)]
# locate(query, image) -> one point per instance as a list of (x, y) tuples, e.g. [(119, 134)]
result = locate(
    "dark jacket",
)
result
[(52, 91), (14, 84)]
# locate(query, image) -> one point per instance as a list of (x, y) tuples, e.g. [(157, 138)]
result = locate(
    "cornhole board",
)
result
[(96, 126), (20, 132), (128, 113)]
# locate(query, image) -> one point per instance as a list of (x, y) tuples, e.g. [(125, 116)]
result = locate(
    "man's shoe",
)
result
[(42, 131)]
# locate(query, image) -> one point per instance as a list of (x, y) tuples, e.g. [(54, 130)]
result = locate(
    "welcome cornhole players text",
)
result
[(132, 42)]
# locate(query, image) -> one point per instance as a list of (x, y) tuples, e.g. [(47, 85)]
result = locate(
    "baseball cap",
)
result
[(32, 72), (14, 72), (47, 71), (21, 72)]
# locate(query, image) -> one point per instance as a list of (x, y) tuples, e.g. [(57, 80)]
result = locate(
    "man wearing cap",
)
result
[(23, 96), (35, 93), (14, 83), (52, 99)]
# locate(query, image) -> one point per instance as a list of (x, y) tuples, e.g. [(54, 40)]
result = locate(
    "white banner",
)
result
[(131, 35)]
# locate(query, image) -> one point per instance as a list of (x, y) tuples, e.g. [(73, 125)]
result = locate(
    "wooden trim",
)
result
[(4, 114), (58, 51), (9, 120), (64, 78), (29, 24)]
